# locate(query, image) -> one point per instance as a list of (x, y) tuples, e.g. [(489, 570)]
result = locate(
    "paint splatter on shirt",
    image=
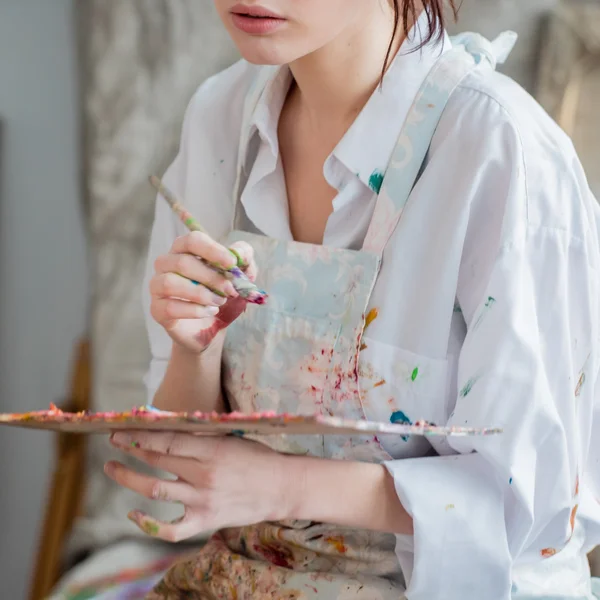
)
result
[(466, 390), (486, 309), (398, 417), (375, 181), (371, 316)]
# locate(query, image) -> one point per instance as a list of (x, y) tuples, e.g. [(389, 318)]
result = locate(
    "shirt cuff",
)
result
[(460, 542)]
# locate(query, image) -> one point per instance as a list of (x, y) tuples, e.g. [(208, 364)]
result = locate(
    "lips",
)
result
[(255, 11), (255, 20)]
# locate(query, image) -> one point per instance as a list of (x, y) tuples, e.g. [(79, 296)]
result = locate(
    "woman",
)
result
[(430, 246)]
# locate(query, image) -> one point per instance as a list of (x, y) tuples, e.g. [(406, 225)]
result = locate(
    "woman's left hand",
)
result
[(221, 481)]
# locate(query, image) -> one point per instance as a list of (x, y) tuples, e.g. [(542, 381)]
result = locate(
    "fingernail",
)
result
[(109, 469), (213, 310), (219, 301), (122, 440)]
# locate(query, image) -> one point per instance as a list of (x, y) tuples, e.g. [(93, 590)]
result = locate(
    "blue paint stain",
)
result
[(238, 433), (399, 418), (376, 181), (510, 481)]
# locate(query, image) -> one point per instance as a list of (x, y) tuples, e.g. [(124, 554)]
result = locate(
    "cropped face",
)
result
[(274, 32)]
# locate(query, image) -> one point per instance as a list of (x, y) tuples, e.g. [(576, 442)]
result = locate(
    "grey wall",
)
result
[(42, 257), (490, 17)]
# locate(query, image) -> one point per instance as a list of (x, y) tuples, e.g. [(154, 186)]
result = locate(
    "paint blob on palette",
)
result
[(235, 423)]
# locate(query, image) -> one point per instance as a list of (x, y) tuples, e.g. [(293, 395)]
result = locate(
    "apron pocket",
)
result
[(399, 386)]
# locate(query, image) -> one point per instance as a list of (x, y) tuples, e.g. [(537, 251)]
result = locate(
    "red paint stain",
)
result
[(337, 541), (577, 486), (276, 556), (380, 383), (548, 552), (310, 587), (573, 515)]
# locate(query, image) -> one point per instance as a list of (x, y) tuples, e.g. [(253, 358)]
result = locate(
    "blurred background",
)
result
[(92, 94)]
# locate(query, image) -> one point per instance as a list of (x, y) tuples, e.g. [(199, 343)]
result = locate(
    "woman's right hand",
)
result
[(189, 299)]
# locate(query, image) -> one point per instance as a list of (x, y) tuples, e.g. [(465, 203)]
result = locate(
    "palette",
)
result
[(265, 423)]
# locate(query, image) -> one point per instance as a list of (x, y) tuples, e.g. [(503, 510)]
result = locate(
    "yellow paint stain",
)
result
[(337, 542), (577, 486), (579, 385), (371, 316), (380, 383), (450, 507), (548, 552), (363, 347)]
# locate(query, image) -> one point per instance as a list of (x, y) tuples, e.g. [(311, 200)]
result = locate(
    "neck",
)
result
[(335, 82)]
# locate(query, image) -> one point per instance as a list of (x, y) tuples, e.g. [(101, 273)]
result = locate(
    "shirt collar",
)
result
[(365, 149)]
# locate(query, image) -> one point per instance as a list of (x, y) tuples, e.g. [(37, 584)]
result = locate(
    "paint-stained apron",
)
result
[(300, 354)]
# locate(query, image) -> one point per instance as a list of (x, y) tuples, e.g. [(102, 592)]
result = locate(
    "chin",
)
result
[(264, 50), (261, 53)]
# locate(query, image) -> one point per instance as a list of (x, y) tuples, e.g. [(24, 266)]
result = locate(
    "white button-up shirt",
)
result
[(491, 284)]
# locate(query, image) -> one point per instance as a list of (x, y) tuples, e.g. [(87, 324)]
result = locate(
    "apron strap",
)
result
[(470, 51)]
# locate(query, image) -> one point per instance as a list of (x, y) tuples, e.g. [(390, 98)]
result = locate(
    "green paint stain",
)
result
[(486, 308), (415, 374), (376, 181), (399, 418), (457, 309), (468, 387), (135, 444), (149, 527), (190, 221)]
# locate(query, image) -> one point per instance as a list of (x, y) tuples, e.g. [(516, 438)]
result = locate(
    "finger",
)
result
[(180, 529), (150, 487), (165, 310), (185, 468), (171, 285), (188, 266), (168, 443), (201, 245), (245, 253)]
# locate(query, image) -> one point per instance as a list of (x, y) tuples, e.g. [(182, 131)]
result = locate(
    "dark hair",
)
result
[(405, 13)]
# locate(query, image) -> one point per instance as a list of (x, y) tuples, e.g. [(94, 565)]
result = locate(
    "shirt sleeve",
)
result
[(529, 365)]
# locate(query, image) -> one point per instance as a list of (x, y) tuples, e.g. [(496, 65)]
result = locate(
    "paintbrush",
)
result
[(244, 287)]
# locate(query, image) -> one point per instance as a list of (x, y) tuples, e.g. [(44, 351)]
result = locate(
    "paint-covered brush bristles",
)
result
[(244, 287)]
